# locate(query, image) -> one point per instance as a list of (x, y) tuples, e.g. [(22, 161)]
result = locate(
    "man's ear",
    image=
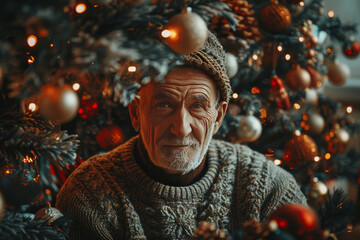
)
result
[(133, 107), (222, 106)]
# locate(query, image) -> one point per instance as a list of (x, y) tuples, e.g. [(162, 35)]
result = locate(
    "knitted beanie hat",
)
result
[(211, 59)]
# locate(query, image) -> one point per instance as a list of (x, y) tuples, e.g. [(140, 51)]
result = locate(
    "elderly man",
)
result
[(173, 175)]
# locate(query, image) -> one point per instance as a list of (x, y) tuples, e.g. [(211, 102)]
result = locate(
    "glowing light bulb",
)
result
[(31, 59), (51, 45), (331, 13), (287, 57), (32, 107), (166, 33), (349, 109), (235, 95), (32, 40), (132, 69), (80, 8), (296, 106), (277, 162), (316, 159), (327, 156), (279, 48), (301, 39), (255, 57), (76, 86), (301, 3)]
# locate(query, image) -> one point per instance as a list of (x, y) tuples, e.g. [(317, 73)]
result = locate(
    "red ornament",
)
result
[(352, 51), (110, 137), (89, 108), (281, 95), (297, 78), (299, 221)]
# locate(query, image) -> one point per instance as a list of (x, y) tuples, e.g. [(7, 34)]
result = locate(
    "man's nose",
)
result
[(181, 126)]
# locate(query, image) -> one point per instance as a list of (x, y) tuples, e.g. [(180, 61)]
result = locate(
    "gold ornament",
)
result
[(337, 140), (338, 73), (207, 230), (188, 32), (316, 77), (274, 18), (297, 78), (58, 103), (316, 123), (299, 149)]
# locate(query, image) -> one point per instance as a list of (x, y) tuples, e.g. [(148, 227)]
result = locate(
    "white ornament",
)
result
[(231, 65), (250, 129)]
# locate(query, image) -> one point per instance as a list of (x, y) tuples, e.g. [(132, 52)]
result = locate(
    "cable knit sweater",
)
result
[(111, 197)]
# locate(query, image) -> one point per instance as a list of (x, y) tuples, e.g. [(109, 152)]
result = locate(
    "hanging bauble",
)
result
[(89, 107), (317, 193), (58, 103), (188, 32), (280, 93), (2, 206), (316, 123), (316, 77), (338, 73), (298, 220), (48, 214), (234, 109), (231, 65), (299, 149), (110, 137), (249, 129), (297, 78), (352, 50), (337, 140), (274, 18), (311, 97)]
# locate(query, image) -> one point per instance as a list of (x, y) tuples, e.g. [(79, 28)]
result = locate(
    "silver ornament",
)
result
[(231, 65), (48, 213), (250, 129), (316, 123), (311, 97)]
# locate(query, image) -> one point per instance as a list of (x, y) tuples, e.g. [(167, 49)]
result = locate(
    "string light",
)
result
[(235, 95), (166, 33), (287, 57), (296, 106), (317, 159), (302, 3), (263, 113), (255, 57), (327, 156), (76, 86), (31, 59), (51, 44), (80, 8), (301, 39), (32, 107), (32, 40), (255, 90), (279, 48), (27, 159), (331, 13), (132, 69), (349, 109), (277, 162)]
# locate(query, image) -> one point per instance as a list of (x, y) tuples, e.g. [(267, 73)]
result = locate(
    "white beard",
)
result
[(181, 160)]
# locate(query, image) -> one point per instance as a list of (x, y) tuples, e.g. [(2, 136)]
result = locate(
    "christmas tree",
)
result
[(69, 68)]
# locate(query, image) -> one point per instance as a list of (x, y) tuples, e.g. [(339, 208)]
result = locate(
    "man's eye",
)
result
[(197, 105), (163, 105)]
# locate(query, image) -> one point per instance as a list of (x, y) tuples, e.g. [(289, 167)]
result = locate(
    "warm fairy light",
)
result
[(301, 3), (27, 159), (287, 57), (48, 191), (32, 107), (7, 171), (316, 159), (166, 33), (301, 39), (329, 50), (235, 95), (297, 133), (279, 48), (31, 59), (349, 109), (255, 90), (132, 69), (263, 113), (96, 5), (296, 106), (76, 86), (331, 13), (255, 57), (80, 8), (327, 156), (277, 162), (51, 44), (32, 40)]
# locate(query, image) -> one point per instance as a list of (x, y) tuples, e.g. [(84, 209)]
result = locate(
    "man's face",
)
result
[(177, 118)]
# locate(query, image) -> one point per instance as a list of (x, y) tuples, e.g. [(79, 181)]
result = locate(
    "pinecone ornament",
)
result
[(255, 230), (246, 27), (207, 230)]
